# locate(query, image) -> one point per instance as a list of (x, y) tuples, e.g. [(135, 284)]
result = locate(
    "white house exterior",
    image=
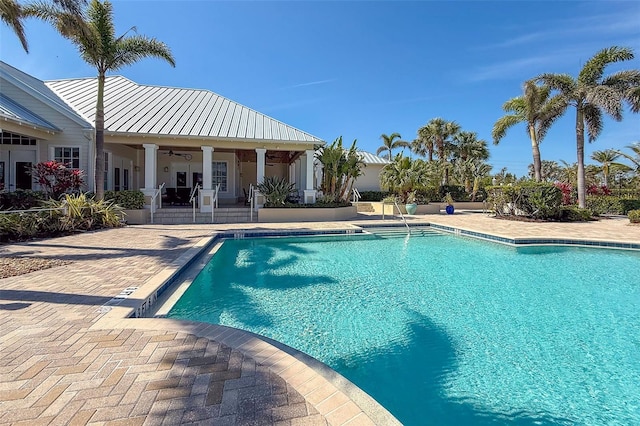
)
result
[(370, 179), (153, 135)]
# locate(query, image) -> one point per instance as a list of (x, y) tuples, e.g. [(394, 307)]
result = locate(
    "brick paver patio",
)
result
[(66, 359)]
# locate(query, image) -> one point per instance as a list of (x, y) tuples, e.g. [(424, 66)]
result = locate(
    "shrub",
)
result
[(457, 192), (531, 199), (21, 199), (634, 216), (275, 190), (629, 204), (126, 199), (600, 205), (575, 214), (56, 178), (628, 193)]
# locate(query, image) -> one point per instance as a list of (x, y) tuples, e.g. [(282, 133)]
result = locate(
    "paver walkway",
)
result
[(62, 362)]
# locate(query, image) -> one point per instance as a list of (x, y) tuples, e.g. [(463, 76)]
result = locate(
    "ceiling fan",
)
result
[(187, 157)]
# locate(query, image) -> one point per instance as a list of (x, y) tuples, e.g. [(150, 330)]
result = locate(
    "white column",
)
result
[(260, 164), (309, 192), (206, 194), (150, 172), (207, 158)]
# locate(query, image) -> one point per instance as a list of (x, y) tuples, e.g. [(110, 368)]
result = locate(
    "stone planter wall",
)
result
[(266, 215), (137, 217)]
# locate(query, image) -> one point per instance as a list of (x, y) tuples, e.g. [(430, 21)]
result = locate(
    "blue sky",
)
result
[(363, 68)]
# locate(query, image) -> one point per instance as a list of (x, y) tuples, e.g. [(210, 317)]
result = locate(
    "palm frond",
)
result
[(130, 50), (606, 98), (11, 13), (593, 70), (593, 121), (502, 125)]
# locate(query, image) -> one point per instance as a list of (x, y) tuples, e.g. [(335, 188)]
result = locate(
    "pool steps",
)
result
[(401, 232)]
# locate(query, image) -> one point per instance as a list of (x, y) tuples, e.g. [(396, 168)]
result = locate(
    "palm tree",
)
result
[(593, 94), (389, 144), (423, 145), (92, 31), (438, 133), (538, 110), (549, 171), (468, 150), (635, 148), (12, 14), (606, 158)]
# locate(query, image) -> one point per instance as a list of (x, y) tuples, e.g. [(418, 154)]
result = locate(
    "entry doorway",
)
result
[(186, 175), (15, 169)]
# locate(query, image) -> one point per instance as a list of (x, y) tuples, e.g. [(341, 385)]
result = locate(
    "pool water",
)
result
[(444, 329)]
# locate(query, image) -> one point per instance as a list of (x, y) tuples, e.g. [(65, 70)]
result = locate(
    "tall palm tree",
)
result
[(468, 151), (593, 94), (92, 31), (538, 110), (606, 158), (389, 143), (424, 145), (439, 133)]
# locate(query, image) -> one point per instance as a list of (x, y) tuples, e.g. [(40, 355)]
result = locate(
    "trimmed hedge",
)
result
[(373, 195), (634, 216), (575, 214), (601, 205), (129, 200)]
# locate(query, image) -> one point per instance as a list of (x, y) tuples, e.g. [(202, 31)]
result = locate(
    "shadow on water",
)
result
[(236, 273), (409, 378)]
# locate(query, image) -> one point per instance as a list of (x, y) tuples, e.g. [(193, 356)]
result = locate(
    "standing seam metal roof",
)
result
[(11, 109), (135, 108)]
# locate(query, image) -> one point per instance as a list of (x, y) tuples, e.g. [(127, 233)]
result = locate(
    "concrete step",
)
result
[(185, 216)]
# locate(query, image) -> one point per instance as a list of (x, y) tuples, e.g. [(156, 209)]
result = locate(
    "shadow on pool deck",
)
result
[(433, 350)]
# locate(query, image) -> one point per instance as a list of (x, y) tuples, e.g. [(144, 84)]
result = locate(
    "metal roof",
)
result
[(13, 110), (369, 158), (40, 91), (155, 110)]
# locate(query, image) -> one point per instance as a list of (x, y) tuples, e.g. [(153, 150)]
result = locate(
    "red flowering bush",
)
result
[(567, 193), (56, 178), (598, 190)]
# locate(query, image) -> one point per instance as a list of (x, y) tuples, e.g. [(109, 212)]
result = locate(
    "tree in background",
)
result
[(340, 168), (549, 171), (538, 110), (469, 153), (438, 133), (606, 158), (592, 94), (92, 31), (389, 143)]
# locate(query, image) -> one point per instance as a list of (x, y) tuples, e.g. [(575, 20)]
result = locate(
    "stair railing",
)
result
[(214, 201), (195, 192), (154, 198), (251, 202), (395, 202), (356, 195)]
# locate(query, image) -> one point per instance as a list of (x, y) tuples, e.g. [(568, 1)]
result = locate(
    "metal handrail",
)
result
[(154, 198), (356, 195), (214, 202), (402, 216), (251, 202), (192, 199)]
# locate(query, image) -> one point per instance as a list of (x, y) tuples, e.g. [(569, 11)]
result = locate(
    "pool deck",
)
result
[(69, 355)]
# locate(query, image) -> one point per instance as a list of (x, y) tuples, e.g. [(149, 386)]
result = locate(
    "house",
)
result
[(153, 135), (370, 179)]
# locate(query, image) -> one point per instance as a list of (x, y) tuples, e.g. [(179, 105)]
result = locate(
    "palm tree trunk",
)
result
[(605, 174), (535, 148), (580, 151), (99, 172)]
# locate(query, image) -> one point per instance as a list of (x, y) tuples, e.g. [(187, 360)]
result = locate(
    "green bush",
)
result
[(625, 193), (126, 199), (530, 199), (629, 204), (80, 214), (634, 216), (457, 192), (604, 204), (275, 190), (21, 199), (373, 195), (575, 214)]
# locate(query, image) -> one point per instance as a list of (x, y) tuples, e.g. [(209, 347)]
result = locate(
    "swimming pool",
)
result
[(443, 329)]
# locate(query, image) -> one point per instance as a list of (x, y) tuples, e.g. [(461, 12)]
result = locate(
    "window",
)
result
[(12, 139), (68, 156), (219, 174), (125, 179), (1, 175), (116, 179), (106, 171)]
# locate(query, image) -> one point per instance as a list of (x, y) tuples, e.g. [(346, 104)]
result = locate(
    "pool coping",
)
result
[(307, 375)]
